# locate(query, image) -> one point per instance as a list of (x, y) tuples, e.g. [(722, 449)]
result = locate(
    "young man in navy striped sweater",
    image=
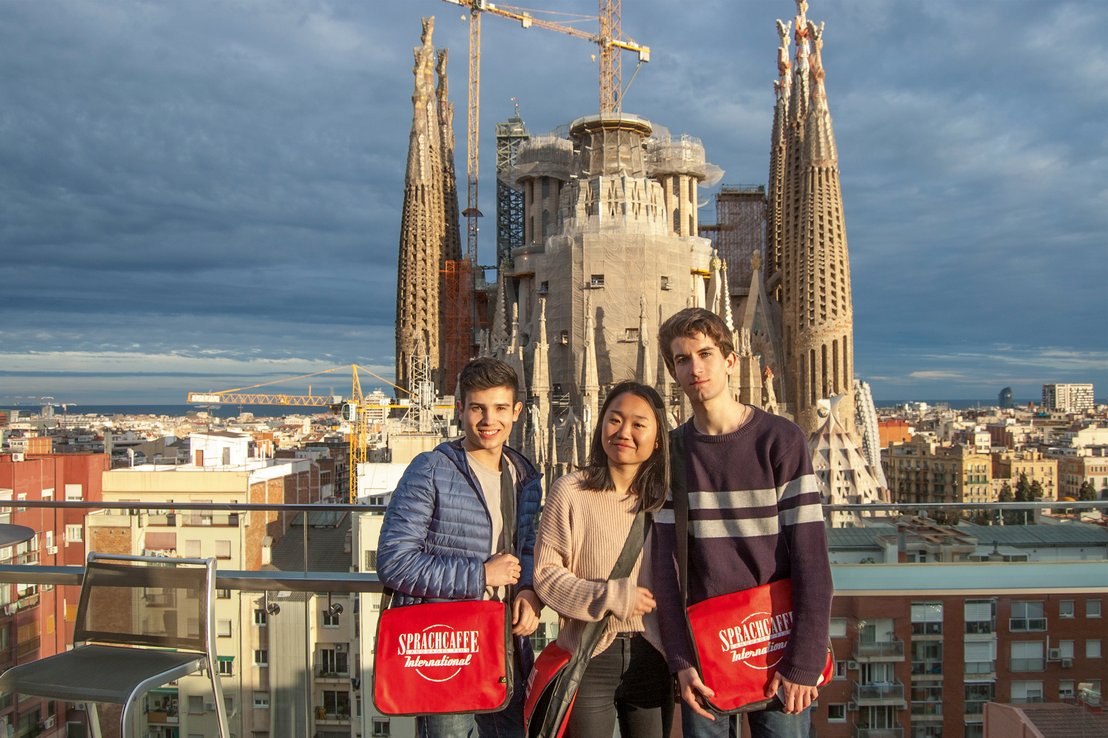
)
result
[(754, 517)]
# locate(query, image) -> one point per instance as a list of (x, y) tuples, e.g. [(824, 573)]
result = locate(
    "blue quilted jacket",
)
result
[(437, 531)]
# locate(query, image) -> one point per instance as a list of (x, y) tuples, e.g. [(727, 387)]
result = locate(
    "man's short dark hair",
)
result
[(689, 322), (485, 373)]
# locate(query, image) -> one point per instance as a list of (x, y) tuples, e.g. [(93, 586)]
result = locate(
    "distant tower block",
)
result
[(423, 228), (602, 246), (510, 135)]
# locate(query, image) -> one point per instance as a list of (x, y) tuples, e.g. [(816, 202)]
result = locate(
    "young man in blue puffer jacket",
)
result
[(444, 537)]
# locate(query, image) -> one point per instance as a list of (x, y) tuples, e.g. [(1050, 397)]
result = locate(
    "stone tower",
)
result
[(423, 226), (812, 268), (610, 248)]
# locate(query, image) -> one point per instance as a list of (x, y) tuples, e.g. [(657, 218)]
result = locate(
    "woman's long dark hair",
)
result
[(652, 479)]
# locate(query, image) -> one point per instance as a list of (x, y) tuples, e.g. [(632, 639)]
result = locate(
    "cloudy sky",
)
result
[(207, 195)]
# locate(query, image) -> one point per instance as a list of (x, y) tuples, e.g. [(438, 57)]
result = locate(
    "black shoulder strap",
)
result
[(679, 488), (566, 687)]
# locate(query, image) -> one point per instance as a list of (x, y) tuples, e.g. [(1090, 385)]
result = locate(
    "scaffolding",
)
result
[(510, 135)]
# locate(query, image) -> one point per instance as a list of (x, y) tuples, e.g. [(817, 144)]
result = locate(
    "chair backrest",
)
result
[(146, 601)]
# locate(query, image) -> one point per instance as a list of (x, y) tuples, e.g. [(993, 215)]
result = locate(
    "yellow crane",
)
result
[(354, 410)]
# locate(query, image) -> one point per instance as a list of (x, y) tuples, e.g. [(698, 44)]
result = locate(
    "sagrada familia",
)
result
[(610, 246)]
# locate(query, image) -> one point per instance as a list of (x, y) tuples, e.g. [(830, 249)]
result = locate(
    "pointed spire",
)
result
[(819, 138), (712, 298), (451, 245), (727, 315), (590, 383), (498, 340), (422, 226), (646, 348)]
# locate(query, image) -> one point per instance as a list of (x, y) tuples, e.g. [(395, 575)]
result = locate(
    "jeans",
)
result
[(771, 722), (508, 723), (628, 681)]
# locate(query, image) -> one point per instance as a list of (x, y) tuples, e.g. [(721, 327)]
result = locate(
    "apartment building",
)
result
[(36, 622), (223, 471), (921, 648), (1010, 466), (925, 470), (1068, 398)]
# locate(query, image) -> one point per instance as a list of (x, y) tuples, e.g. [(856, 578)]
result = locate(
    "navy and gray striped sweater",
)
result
[(754, 517)]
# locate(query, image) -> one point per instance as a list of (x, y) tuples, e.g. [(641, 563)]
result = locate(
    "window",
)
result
[(192, 549), (74, 534), (223, 628), (1065, 689), (1092, 608), (223, 549), (223, 594), (1092, 648), (1065, 609), (977, 695), (226, 665), (840, 670), (665, 283), (261, 701), (1065, 649), (1027, 616), (196, 704), (261, 657), (329, 620), (371, 560), (229, 705), (836, 713), (380, 727), (336, 704), (259, 616), (927, 657), (596, 281), (838, 627), (979, 617), (980, 657), (1027, 691), (1027, 656), (927, 618), (333, 661), (74, 493)]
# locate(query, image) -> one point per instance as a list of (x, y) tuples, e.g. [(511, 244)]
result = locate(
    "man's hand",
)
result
[(501, 569), (525, 613), (693, 690), (644, 602), (795, 697)]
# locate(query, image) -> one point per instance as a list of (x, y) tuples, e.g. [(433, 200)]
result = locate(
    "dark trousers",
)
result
[(628, 680)]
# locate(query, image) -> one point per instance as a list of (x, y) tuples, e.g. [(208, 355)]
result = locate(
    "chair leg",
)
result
[(93, 715), (220, 703)]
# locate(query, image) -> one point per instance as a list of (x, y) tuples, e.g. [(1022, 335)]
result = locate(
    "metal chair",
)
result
[(143, 621)]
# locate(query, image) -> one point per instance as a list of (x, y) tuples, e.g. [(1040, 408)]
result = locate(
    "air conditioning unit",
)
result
[(209, 706), (340, 648), (852, 665), (52, 550), (48, 723), (1067, 663), (852, 705), (1054, 654)]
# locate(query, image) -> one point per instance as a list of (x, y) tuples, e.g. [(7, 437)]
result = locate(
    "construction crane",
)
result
[(354, 409), (608, 38)]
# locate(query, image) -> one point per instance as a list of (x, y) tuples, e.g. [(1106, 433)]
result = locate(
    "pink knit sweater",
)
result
[(581, 534)]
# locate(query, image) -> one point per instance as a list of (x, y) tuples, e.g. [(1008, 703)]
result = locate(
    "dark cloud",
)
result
[(222, 181)]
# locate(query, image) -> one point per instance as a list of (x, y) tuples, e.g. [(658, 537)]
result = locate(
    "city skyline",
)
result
[(210, 197)]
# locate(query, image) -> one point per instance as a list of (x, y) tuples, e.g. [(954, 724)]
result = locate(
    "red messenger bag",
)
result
[(738, 638), (443, 657), (448, 657), (554, 679)]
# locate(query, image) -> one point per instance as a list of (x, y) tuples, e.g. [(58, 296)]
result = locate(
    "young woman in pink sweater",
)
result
[(585, 522)]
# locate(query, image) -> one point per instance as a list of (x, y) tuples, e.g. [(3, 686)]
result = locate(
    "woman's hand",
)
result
[(644, 602)]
